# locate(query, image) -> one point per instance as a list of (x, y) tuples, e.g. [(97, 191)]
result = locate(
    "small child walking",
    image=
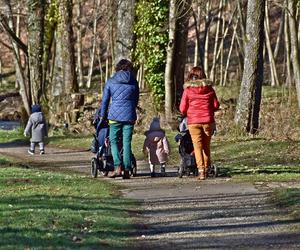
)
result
[(36, 128), (156, 146)]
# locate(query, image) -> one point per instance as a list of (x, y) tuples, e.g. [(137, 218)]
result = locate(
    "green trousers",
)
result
[(121, 131)]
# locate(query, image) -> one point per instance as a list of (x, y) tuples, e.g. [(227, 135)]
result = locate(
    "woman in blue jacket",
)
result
[(120, 99)]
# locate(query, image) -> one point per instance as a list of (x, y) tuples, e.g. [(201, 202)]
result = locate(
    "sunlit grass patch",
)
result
[(47, 210), (11, 135), (264, 159), (71, 141)]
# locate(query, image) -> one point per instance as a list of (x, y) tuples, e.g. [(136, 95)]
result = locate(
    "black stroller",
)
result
[(188, 163), (103, 160)]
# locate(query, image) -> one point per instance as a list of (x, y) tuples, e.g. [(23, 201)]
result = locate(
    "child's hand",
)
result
[(25, 134)]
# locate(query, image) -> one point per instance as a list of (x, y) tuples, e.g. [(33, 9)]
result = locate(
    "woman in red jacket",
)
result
[(199, 103)]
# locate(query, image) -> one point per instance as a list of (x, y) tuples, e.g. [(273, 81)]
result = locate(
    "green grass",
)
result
[(11, 135), (288, 198), (71, 141), (50, 210), (258, 159)]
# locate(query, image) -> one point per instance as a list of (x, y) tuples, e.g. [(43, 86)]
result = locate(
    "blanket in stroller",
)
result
[(101, 134)]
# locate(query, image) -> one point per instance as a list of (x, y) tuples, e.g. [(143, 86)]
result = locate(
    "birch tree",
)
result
[(169, 71)]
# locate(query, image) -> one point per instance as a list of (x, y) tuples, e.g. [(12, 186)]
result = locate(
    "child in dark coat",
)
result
[(36, 128), (156, 146)]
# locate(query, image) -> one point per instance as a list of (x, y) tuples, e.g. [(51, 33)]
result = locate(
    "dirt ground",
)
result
[(185, 213)]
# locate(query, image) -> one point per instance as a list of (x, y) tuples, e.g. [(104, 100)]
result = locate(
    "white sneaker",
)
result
[(30, 151)]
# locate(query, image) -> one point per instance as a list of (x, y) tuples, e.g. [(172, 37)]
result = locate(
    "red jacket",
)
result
[(199, 101)]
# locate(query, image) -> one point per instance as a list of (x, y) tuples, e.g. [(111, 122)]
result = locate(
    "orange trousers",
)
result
[(201, 136)]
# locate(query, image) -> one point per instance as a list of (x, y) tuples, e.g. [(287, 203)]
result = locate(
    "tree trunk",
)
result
[(20, 76), (94, 41), (198, 57), (248, 106), (294, 46), (79, 45), (273, 70), (18, 73), (36, 9), (280, 33), (213, 68), (206, 35), (124, 34), (242, 25), (229, 54), (169, 70), (221, 70), (111, 33), (225, 33), (101, 71), (287, 53), (68, 53), (180, 49)]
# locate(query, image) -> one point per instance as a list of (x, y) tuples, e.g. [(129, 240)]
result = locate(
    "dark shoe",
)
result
[(116, 173), (30, 151), (42, 152), (126, 174), (152, 174)]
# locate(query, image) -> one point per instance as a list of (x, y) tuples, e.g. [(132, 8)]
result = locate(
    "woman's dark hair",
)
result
[(124, 64), (196, 73)]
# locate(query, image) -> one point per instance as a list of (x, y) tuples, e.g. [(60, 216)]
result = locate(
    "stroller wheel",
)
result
[(133, 166), (94, 167), (102, 167), (216, 170), (213, 171), (180, 171)]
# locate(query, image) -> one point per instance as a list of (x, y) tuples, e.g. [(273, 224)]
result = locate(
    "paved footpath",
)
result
[(186, 213)]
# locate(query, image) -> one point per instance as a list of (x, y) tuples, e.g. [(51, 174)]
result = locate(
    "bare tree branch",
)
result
[(12, 34)]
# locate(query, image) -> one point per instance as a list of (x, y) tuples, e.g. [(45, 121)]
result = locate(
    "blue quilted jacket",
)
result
[(123, 91)]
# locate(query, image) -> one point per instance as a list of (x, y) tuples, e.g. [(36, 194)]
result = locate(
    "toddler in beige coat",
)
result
[(156, 146)]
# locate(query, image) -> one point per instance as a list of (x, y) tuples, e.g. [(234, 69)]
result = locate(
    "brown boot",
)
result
[(126, 174), (116, 173), (201, 175)]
